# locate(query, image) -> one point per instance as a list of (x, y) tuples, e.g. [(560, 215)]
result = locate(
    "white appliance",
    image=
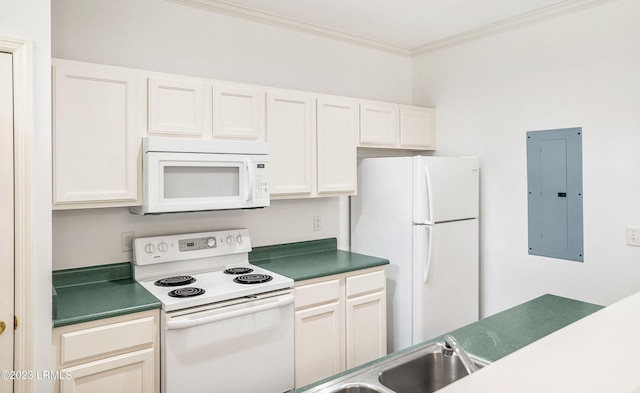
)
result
[(180, 174), (226, 325), (421, 213)]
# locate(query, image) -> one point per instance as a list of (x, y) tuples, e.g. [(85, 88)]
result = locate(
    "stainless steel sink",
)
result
[(427, 373), (422, 370), (357, 388)]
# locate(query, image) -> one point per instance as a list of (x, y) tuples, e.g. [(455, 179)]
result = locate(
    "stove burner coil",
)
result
[(238, 270), (175, 281), (252, 279), (186, 292)]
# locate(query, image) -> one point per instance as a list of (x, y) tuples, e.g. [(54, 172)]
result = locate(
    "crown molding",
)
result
[(516, 22), (547, 13), (255, 15)]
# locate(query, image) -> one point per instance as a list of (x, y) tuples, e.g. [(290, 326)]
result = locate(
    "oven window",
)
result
[(201, 182)]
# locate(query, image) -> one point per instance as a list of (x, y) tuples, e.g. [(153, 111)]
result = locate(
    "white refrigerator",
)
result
[(421, 213)]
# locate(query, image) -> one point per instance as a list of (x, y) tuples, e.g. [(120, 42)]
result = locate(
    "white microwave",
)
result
[(181, 175)]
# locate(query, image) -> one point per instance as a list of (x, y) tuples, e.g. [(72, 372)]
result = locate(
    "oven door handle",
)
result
[(186, 323)]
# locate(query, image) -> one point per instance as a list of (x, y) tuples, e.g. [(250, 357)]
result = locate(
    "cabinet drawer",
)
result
[(318, 293), (365, 283), (106, 340)]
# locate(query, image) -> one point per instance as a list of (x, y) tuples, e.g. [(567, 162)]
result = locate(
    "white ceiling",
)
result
[(403, 26)]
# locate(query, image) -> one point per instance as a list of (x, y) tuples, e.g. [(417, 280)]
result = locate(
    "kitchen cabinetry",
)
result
[(340, 322), (337, 126), (176, 106), (387, 125), (290, 131), (238, 112), (313, 144), (366, 322), (204, 108), (101, 112), (95, 135), (113, 354)]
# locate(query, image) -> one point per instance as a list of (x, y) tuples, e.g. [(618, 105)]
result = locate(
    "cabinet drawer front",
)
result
[(365, 283), (318, 293), (106, 340)]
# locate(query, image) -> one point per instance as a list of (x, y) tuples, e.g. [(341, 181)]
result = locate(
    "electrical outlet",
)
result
[(633, 236), (317, 223), (126, 241)]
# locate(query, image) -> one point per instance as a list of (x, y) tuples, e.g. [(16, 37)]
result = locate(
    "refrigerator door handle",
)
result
[(427, 268), (427, 176)]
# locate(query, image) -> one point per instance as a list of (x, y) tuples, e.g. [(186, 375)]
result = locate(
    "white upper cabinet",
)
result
[(387, 125), (238, 112), (337, 127), (101, 112), (313, 144), (95, 135), (290, 132), (378, 124), (176, 106), (417, 127)]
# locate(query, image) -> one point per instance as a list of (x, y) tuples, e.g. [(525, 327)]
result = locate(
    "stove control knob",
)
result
[(163, 247), (230, 239), (211, 242), (149, 248), (239, 239)]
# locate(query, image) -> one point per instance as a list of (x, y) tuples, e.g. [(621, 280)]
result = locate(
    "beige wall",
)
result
[(169, 37), (576, 71)]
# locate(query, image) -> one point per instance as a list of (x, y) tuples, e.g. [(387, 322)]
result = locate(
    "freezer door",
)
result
[(445, 189), (445, 278)]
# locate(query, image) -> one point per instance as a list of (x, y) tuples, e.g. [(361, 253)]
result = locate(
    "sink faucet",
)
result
[(451, 346)]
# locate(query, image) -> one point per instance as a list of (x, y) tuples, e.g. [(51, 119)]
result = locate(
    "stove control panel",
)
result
[(202, 243), (172, 248)]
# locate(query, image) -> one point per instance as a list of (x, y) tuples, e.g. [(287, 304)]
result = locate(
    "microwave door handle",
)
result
[(248, 190)]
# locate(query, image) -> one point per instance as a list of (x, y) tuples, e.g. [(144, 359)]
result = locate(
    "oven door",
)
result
[(239, 348), (177, 182)]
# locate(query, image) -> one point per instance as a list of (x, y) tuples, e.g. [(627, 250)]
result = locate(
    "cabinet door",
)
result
[(132, 372), (366, 328), (95, 142), (337, 125), (319, 351), (290, 130), (238, 112), (417, 127), (176, 107), (378, 124)]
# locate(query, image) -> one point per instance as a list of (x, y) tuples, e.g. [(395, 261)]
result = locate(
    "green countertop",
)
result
[(504, 333), (311, 259), (88, 294)]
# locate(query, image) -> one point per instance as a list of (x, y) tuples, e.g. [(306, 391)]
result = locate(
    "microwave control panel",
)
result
[(261, 184)]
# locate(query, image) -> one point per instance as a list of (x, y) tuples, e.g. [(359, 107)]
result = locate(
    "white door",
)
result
[(337, 121), (445, 278), (6, 218), (446, 189), (290, 130)]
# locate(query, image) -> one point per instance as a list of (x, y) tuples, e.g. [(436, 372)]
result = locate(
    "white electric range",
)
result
[(220, 314)]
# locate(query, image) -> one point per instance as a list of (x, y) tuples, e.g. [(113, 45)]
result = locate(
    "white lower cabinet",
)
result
[(321, 356), (110, 355), (340, 322)]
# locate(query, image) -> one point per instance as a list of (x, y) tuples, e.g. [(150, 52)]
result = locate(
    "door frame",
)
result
[(24, 338)]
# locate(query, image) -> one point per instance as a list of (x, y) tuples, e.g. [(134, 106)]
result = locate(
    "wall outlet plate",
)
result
[(126, 241), (633, 236)]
